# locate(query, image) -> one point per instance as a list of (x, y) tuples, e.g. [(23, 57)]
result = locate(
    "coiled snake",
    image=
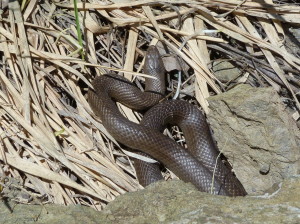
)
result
[(195, 164)]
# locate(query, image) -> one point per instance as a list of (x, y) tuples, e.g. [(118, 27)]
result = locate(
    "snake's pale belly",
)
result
[(195, 165)]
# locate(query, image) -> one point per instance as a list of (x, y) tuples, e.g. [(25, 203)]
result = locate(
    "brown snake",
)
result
[(195, 164)]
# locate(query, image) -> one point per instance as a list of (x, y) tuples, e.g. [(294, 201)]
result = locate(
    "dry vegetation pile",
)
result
[(50, 139)]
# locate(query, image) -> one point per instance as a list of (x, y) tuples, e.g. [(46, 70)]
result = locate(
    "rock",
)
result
[(257, 136), (172, 202), (178, 202), (47, 214), (225, 71), (292, 38), (3, 4)]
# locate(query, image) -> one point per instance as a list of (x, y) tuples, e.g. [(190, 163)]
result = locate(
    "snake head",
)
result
[(153, 62)]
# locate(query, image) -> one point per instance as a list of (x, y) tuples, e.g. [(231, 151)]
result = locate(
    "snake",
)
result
[(198, 163)]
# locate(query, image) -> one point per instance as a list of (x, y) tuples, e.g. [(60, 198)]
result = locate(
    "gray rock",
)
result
[(47, 214), (225, 71), (257, 136), (178, 202), (295, 30), (172, 202)]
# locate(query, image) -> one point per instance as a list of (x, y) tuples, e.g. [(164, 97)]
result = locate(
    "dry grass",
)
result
[(50, 138)]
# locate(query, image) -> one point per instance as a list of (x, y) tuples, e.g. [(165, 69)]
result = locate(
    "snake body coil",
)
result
[(195, 165)]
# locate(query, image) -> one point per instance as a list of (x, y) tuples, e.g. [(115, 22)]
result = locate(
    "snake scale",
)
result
[(195, 164)]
